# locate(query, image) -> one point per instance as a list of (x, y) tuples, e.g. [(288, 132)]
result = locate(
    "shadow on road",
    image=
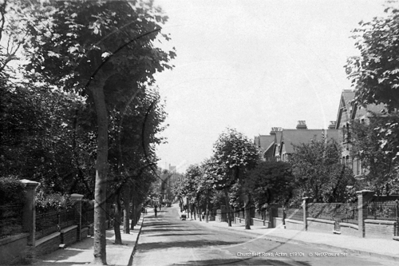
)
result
[(182, 234), (146, 231), (182, 244), (246, 261)]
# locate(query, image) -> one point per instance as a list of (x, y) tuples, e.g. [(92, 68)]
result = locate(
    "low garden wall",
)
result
[(278, 222), (258, 222), (320, 225), (293, 224), (349, 229), (379, 229)]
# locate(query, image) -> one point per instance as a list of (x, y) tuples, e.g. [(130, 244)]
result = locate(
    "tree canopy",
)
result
[(374, 73)]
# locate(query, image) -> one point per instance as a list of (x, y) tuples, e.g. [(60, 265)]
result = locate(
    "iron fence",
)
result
[(87, 217), (384, 210), (338, 212), (294, 213), (379, 210), (53, 221), (10, 219)]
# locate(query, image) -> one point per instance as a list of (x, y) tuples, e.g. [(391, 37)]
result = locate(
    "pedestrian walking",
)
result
[(155, 210)]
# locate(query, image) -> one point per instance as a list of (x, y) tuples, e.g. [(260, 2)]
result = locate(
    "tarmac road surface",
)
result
[(166, 240)]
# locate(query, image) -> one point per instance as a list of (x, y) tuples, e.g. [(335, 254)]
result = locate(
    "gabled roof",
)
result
[(361, 111), (344, 106), (353, 111), (292, 137), (265, 142)]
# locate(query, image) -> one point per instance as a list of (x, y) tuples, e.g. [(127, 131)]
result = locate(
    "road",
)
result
[(166, 240)]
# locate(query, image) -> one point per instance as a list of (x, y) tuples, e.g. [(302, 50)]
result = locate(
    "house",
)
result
[(281, 142), (349, 111)]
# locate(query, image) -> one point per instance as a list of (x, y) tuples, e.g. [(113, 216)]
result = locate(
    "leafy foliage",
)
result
[(11, 190), (319, 173), (375, 144), (374, 73), (270, 182)]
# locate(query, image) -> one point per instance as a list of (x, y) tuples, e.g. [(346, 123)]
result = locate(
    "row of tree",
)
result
[(236, 177), (80, 109)]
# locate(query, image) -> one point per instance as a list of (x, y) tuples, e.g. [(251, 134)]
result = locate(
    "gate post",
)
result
[(77, 201), (363, 199), (305, 212)]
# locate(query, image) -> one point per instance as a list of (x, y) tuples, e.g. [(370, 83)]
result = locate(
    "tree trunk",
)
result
[(133, 214), (117, 221), (247, 207), (126, 206), (227, 207), (100, 193), (207, 212)]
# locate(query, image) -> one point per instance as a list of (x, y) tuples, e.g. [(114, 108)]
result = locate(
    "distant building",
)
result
[(280, 143)]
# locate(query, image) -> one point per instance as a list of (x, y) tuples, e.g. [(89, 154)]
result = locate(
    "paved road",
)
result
[(166, 240)]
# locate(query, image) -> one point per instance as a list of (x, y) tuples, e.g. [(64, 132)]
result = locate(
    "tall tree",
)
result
[(374, 145), (237, 155), (271, 182), (87, 47), (374, 73), (318, 171)]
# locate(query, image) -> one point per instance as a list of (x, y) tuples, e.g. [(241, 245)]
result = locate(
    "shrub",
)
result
[(11, 191)]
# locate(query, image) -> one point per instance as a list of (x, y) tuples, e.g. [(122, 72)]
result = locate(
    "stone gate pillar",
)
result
[(29, 210), (363, 199), (76, 199)]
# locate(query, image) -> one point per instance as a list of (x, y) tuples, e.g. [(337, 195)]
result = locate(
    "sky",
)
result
[(253, 65)]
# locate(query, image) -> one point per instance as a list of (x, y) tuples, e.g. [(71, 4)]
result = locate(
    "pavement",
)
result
[(374, 247), (81, 253)]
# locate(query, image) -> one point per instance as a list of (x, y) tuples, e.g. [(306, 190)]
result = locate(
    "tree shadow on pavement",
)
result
[(182, 234), (143, 247), (146, 231), (245, 261), (160, 224)]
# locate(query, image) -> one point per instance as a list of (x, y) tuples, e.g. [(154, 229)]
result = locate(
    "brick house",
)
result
[(280, 143), (348, 111)]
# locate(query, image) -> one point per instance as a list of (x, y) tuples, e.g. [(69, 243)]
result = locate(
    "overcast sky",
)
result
[(252, 65)]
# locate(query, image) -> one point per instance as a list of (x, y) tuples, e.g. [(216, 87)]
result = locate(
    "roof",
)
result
[(265, 142), (344, 105), (292, 137)]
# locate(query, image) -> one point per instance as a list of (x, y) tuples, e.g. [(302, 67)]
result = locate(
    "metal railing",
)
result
[(53, 221)]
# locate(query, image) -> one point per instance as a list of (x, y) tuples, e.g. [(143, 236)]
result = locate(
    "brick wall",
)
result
[(48, 244), (69, 235), (293, 224), (257, 222), (379, 229), (278, 222), (84, 232), (349, 229), (320, 225)]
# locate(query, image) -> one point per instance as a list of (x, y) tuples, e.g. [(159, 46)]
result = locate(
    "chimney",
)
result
[(275, 129), (332, 125), (301, 125)]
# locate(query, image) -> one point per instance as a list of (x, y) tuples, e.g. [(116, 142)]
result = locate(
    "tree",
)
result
[(86, 47), (374, 145), (271, 182), (234, 155), (319, 173), (374, 73)]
